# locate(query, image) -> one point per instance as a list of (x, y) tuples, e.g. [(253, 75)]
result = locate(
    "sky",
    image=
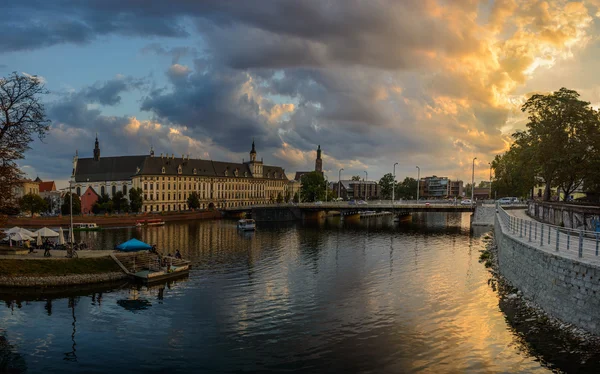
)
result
[(428, 83)]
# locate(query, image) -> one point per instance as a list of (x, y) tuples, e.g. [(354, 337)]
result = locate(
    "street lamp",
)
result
[(393, 182), (340, 183), (366, 180), (326, 185), (473, 182), (418, 182), (489, 163)]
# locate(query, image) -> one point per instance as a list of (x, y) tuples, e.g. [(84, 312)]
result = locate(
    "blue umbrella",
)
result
[(133, 245)]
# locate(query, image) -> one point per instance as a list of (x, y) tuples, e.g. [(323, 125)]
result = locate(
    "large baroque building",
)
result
[(167, 181)]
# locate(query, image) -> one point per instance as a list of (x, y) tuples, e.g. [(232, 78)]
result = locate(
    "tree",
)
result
[(33, 203), (287, 196), (313, 187), (120, 202), (513, 174), (407, 189), (356, 178), (22, 117), (279, 198), (136, 199), (65, 208), (296, 198), (385, 183), (467, 190), (559, 139), (193, 201)]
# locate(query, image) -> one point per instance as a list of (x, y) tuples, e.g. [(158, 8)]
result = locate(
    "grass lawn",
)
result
[(42, 268)]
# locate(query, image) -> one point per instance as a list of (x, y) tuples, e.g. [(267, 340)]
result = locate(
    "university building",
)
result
[(167, 181)]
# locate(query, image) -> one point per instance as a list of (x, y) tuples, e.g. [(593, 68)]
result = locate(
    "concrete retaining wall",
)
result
[(570, 216), (64, 280), (566, 289)]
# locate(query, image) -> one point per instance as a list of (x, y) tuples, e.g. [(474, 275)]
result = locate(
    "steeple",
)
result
[(318, 161), (253, 152), (96, 149), (151, 151)]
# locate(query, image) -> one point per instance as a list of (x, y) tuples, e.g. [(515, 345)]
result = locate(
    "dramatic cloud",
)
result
[(427, 82)]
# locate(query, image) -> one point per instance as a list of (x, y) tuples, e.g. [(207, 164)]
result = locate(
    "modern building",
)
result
[(435, 187), (167, 181), (356, 190)]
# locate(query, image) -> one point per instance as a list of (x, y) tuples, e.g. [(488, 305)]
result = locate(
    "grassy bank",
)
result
[(44, 268)]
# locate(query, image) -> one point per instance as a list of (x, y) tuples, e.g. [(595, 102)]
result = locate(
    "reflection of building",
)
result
[(358, 190), (167, 181), (439, 187)]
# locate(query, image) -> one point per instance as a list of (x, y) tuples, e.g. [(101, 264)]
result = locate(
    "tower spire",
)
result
[(318, 161), (97, 149)]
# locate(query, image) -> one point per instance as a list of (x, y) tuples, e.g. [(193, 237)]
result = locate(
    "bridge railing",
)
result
[(580, 243)]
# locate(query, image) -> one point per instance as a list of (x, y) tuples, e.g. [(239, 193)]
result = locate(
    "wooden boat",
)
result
[(246, 225), (86, 227), (144, 266), (149, 222)]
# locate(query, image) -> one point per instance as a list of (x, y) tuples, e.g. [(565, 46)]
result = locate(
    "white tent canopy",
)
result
[(19, 230), (38, 240), (47, 233), (61, 237), (19, 237)]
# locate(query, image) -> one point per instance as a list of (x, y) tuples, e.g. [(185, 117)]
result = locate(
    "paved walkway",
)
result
[(589, 244), (59, 254)]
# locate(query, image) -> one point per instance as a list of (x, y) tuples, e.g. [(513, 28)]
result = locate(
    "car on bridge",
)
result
[(361, 202), (318, 203), (466, 202)]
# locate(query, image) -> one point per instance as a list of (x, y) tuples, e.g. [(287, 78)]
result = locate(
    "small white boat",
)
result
[(246, 224), (86, 227)]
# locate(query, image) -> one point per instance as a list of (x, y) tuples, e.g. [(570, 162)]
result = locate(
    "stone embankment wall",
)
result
[(567, 215), (566, 289), (484, 215), (64, 280)]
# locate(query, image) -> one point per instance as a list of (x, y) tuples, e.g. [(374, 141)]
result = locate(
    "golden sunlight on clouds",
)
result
[(134, 126)]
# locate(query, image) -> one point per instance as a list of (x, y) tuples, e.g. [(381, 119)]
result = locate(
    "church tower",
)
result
[(256, 167), (97, 150), (318, 161), (253, 152)]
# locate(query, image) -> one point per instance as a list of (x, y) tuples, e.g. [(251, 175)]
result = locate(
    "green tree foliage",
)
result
[(120, 203), (313, 187), (467, 190), (279, 198), (560, 140), (65, 208), (296, 198), (287, 196), (385, 183), (407, 189), (513, 174), (23, 117), (136, 199), (356, 178), (33, 203), (193, 200)]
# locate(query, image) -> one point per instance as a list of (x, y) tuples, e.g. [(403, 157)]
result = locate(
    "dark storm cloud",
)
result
[(176, 53), (107, 93)]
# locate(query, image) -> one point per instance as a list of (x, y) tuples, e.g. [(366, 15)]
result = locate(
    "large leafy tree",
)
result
[(33, 203), (193, 200), (136, 199), (559, 139), (514, 174), (385, 183), (313, 187), (65, 208), (356, 178), (22, 116), (407, 189), (120, 202)]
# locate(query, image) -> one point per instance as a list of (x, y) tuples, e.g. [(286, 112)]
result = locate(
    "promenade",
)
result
[(577, 245), (58, 255)]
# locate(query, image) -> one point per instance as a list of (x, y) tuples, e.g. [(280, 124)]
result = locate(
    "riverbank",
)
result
[(561, 345), (109, 220), (58, 272)]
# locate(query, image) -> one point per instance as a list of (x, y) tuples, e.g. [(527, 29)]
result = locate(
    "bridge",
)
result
[(290, 212)]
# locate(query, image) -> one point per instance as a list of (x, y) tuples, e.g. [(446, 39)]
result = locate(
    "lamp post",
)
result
[(326, 185), (489, 163), (418, 182), (366, 180), (473, 182), (340, 183), (394, 182)]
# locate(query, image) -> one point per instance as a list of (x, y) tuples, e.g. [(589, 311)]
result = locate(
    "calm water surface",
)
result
[(363, 296)]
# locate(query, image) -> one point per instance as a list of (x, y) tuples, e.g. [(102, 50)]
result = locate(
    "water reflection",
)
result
[(334, 295)]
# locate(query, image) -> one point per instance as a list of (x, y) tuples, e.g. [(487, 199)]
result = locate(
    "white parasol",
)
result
[(71, 237), (19, 237), (38, 241), (61, 237), (19, 230), (47, 233)]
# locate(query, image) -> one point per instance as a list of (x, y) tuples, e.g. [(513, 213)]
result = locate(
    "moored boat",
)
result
[(149, 222), (246, 224), (86, 227)]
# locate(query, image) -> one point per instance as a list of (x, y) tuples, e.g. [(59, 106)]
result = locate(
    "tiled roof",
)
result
[(47, 186), (107, 168)]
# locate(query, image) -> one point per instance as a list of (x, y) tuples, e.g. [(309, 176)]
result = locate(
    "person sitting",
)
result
[(27, 245), (178, 254)]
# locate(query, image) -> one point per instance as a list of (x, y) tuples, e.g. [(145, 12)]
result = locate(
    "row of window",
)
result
[(103, 190), (177, 207), (204, 186), (204, 195)]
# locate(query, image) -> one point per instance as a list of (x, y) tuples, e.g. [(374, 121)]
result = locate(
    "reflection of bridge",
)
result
[(289, 212)]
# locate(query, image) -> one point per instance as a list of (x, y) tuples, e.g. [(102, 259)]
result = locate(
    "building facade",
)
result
[(167, 181), (356, 190), (435, 187), (24, 187)]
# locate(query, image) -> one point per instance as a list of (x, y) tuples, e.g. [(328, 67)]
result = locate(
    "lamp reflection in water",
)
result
[(72, 356)]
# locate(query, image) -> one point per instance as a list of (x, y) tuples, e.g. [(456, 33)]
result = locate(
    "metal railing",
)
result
[(581, 243)]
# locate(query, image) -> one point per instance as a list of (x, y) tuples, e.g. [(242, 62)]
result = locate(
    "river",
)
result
[(368, 296)]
